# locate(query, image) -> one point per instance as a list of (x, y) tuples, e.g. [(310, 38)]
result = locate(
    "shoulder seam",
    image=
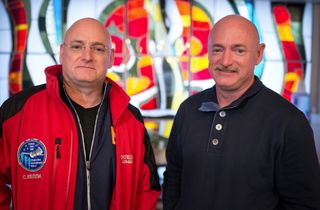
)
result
[(15, 103), (136, 113)]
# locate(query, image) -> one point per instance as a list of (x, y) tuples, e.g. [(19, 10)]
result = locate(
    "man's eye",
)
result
[(99, 49), (239, 51), (76, 46), (216, 50)]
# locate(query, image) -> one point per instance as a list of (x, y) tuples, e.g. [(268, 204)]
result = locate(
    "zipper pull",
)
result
[(113, 135), (58, 143), (88, 166)]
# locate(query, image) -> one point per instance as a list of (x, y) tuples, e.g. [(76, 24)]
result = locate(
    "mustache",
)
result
[(226, 69)]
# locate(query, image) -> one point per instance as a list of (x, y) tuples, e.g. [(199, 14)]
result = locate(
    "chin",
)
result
[(226, 87), (226, 84), (86, 79), (225, 81)]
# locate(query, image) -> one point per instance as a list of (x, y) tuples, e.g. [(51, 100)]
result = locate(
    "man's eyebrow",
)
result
[(216, 45), (98, 43), (239, 45), (77, 41), (91, 43)]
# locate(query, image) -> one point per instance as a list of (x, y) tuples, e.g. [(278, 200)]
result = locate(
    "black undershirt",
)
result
[(87, 118)]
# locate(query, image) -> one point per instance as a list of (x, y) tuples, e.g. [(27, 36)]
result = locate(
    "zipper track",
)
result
[(87, 162)]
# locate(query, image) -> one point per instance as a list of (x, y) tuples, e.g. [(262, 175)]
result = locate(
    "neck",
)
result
[(226, 97), (86, 98)]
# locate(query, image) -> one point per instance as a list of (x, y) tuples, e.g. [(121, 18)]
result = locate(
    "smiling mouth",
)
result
[(226, 70)]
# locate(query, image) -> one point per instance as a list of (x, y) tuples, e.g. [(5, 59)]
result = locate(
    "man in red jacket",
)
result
[(76, 142)]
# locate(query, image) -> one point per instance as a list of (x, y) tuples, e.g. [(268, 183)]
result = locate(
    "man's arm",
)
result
[(5, 194), (5, 191), (172, 175), (149, 187), (297, 167)]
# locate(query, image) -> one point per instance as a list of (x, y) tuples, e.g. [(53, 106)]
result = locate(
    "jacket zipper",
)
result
[(87, 162)]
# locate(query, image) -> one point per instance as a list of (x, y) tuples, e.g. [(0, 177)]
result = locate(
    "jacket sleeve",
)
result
[(297, 167), (148, 188), (5, 191), (172, 180)]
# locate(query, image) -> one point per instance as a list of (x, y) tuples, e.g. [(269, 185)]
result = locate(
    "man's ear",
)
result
[(61, 53), (111, 58), (260, 53)]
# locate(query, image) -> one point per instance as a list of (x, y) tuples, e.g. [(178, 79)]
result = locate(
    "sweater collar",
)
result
[(212, 104)]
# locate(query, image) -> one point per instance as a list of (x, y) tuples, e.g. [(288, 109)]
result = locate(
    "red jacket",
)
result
[(42, 174)]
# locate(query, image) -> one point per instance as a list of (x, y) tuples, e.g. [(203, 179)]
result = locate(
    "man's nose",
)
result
[(87, 53), (226, 59)]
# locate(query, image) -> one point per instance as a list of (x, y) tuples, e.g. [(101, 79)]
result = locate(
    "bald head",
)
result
[(88, 26), (85, 56), (233, 52), (235, 22)]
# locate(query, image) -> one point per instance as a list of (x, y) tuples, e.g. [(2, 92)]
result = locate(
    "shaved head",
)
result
[(236, 21), (88, 25), (233, 51), (85, 56)]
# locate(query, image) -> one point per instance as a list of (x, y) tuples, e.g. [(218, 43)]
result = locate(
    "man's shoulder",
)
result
[(198, 98), (275, 98), (135, 112), (16, 102), (277, 104)]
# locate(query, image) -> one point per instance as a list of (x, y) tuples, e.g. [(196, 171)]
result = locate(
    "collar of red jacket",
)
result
[(119, 100)]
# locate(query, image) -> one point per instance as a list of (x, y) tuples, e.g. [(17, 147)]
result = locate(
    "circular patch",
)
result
[(32, 155)]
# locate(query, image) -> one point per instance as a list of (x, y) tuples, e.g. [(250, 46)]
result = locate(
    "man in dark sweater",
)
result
[(239, 145)]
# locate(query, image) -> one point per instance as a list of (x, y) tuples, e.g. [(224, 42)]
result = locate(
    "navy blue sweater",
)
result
[(257, 153)]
